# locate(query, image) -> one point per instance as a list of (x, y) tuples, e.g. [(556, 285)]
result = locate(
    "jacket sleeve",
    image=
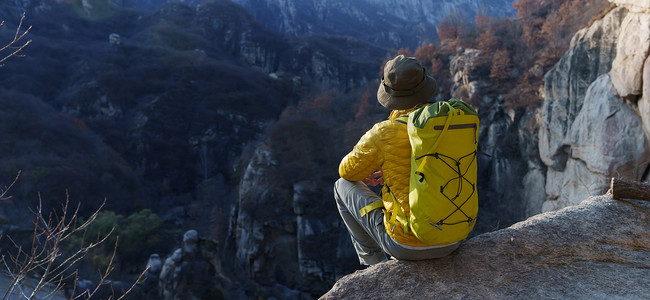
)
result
[(365, 158)]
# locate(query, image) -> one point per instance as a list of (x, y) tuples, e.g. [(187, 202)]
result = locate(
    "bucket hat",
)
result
[(405, 84)]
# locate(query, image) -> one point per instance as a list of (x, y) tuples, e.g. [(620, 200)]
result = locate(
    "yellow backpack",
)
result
[(442, 191)]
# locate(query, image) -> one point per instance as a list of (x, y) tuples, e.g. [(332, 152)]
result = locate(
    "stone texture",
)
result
[(632, 51), (607, 134), (606, 139), (279, 232), (189, 273), (403, 23), (501, 173), (644, 102), (534, 181), (590, 55), (599, 249), (588, 133), (576, 182), (640, 6), (460, 67)]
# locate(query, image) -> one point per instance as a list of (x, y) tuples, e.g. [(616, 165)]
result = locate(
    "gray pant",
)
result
[(368, 234)]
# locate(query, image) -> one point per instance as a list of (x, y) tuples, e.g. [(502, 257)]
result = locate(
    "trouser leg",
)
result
[(350, 198)]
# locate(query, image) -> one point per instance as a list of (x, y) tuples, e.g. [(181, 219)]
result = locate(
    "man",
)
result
[(382, 156)]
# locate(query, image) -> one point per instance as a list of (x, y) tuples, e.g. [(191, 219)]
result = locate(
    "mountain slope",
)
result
[(157, 109), (389, 23)]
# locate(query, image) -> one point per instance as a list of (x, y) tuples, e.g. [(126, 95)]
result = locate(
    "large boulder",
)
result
[(598, 249), (590, 55), (589, 128), (189, 273), (607, 139), (632, 51)]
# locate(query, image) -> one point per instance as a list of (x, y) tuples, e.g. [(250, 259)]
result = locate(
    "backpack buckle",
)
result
[(437, 226)]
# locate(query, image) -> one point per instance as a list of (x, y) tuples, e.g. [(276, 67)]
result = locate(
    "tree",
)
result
[(455, 30), (482, 20), (526, 8), (138, 231), (405, 52), (501, 65), (17, 44), (449, 28), (426, 53), (437, 67), (487, 41), (44, 261)]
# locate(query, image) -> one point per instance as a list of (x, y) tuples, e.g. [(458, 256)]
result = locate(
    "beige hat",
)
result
[(405, 84)]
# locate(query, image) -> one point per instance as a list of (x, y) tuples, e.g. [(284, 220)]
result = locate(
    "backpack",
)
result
[(443, 198), (442, 188)]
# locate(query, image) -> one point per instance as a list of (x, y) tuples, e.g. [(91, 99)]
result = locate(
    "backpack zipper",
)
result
[(459, 126)]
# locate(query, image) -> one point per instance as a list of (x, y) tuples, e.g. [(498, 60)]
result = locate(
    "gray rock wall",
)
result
[(591, 125), (287, 238), (434, 11), (403, 23)]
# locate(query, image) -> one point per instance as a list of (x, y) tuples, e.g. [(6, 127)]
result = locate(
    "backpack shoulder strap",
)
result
[(451, 112)]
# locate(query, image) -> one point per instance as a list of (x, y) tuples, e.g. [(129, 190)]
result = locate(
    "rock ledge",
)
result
[(598, 249)]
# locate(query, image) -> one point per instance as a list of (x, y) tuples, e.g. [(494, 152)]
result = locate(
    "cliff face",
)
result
[(594, 113), (402, 23), (434, 11), (282, 244), (592, 126), (161, 113), (598, 249)]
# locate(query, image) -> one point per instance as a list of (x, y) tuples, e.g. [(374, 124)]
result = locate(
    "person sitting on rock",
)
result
[(383, 156)]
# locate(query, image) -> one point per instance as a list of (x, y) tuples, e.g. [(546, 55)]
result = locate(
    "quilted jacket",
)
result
[(385, 146)]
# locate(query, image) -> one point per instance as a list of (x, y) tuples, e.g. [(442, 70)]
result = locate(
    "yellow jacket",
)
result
[(386, 146)]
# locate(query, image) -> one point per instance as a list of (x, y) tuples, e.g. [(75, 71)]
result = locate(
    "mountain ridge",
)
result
[(403, 23)]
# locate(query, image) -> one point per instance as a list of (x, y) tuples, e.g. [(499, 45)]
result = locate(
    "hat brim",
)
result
[(405, 102)]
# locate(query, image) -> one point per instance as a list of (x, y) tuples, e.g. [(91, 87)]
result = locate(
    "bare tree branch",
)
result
[(46, 259), (16, 45)]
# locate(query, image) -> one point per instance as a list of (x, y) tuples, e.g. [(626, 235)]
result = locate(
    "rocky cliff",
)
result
[(593, 122), (505, 145), (156, 109), (402, 23), (598, 249), (591, 127), (178, 109)]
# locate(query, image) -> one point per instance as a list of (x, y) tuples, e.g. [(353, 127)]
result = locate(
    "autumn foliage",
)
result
[(515, 52), (501, 65)]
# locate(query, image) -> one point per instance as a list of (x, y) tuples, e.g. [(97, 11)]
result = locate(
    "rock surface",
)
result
[(589, 128), (402, 23), (189, 273), (642, 6), (644, 102), (278, 241), (632, 50), (591, 54), (598, 249), (606, 139)]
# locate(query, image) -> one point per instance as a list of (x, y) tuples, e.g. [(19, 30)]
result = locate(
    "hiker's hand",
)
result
[(374, 179)]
